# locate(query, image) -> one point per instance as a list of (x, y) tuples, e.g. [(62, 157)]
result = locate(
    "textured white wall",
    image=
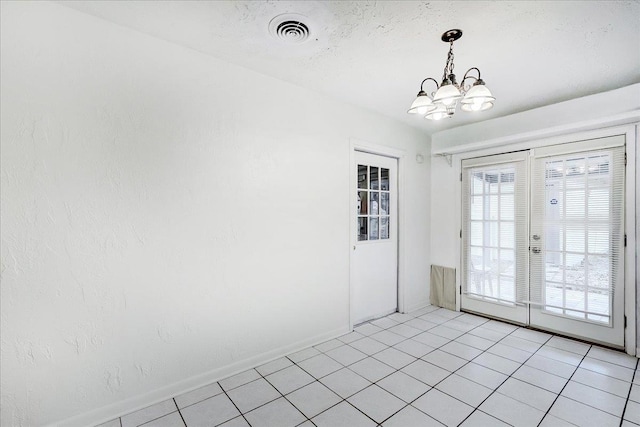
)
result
[(167, 218)]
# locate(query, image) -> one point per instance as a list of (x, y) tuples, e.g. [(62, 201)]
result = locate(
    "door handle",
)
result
[(536, 237), (535, 250)]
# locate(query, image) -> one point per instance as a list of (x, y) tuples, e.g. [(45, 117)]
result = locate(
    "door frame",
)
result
[(632, 137), (399, 155)]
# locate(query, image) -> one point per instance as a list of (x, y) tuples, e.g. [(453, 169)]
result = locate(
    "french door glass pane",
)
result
[(491, 233), (577, 237)]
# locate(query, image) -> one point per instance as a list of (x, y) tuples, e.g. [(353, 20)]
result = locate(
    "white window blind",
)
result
[(577, 214), (495, 228)]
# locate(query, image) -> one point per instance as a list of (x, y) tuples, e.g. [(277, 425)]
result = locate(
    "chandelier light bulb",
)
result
[(439, 113), (447, 95), (422, 104), (473, 107), (479, 94)]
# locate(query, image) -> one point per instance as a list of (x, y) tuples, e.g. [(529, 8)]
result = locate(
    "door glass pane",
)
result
[(384, 179), (597, 302), (577, 237), (574, 203), (373, 203), (362, 176), (477, 207), (574, 269), (362, 228), (507, 206), (374, 178), (491, 234), (507, 180), (373, 210), (554, 270), (507, 235), (373, 228), (384, 227), (384, 203), (477, 183), (507, 287), (492, 179), (494, 229), (598, 204), (493, 207), (598, 238), (476, 233), (598, 272), (554, 239), (363, 202)]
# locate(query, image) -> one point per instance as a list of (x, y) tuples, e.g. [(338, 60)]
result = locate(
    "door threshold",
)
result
[(555, 333)]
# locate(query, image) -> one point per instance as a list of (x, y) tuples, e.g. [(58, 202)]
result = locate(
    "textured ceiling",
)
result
[(375, 54)]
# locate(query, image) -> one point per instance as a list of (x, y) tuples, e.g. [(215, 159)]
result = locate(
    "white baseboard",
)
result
[(110, 412), (417, 306)]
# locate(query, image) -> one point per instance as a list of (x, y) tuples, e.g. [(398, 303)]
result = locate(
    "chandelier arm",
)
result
[(429, 78), (466, 76), (469, 70)]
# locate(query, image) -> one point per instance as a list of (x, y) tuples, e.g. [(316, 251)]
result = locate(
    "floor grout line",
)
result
[(179, 412), (624, 410), (465, 325)]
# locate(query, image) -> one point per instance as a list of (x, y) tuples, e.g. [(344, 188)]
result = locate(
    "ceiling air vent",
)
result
[(290, 28)]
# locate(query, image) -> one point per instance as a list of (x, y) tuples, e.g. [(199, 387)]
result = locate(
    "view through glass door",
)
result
[(568, 264), (494, 235)]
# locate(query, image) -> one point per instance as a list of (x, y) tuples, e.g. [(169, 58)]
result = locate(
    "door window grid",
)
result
[(491, 266), (374, 200), (577, 244)]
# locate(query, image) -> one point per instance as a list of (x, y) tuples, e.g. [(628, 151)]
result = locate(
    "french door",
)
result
[(494, 235), (543, 238)]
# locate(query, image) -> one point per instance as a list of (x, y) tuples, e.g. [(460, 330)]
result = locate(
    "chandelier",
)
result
[(443, 102)]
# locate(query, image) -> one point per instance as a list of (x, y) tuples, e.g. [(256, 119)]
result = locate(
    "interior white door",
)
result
[(374, 288), (577, 240), (494, 235)]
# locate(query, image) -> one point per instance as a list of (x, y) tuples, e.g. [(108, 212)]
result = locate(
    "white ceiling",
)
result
[(375, 53)]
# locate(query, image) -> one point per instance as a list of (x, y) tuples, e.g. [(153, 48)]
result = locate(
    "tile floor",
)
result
[(432, 367)]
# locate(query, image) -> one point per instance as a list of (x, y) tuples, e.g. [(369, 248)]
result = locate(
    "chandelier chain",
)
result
[(448, 68)]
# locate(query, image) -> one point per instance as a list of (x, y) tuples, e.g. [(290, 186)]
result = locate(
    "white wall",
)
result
[(167, 218), (516, 132)]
